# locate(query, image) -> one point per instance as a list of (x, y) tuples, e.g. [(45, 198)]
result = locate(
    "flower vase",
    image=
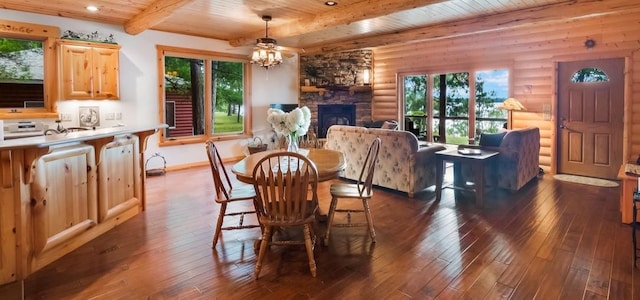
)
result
[(292, 143)]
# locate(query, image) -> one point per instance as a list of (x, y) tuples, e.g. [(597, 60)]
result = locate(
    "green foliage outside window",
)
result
[(16, 57)]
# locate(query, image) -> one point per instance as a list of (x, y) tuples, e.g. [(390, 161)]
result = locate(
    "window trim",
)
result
[(48, 36), (207, 56)]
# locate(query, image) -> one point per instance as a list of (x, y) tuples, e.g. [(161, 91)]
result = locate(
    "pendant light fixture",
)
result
[(266, 53)]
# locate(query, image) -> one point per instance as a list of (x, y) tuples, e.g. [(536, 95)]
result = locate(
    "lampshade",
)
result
[(511, 104), (266, 53)]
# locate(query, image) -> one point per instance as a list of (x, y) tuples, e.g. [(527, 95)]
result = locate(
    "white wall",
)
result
[(138, 102)]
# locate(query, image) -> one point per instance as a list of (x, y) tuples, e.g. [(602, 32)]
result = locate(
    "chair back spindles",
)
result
[(282, 183), (365, 181), (221, 180)]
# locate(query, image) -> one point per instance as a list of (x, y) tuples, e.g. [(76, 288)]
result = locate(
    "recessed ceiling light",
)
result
[(92, 8), (331, 3)]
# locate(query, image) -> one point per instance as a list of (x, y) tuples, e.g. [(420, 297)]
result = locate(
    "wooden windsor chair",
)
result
[(227, 193), (362, 190), (286, 185)]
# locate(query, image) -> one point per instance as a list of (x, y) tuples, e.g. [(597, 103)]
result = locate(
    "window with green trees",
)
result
[(204, 94), (445, 117)]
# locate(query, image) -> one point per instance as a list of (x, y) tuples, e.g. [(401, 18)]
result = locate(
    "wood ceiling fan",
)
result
[(266, 52), (268, 42)]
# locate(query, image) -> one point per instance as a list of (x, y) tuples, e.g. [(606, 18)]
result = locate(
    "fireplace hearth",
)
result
[(335, 114)]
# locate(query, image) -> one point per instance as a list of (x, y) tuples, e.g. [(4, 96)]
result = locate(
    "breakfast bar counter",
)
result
[(60, 191)]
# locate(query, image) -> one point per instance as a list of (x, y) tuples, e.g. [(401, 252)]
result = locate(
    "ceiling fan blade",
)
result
[(288, 54), (291, 49)]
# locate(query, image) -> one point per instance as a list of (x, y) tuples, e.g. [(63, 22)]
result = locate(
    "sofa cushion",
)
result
[(491, 139)]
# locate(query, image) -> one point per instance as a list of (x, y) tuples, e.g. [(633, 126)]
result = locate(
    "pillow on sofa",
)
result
[(389, 125), (491, 139)]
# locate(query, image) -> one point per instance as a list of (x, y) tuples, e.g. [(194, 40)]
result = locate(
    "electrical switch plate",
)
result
[(65, 117), (110, 116)]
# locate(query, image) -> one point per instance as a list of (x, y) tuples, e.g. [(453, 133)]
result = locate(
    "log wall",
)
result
[(531, 53)]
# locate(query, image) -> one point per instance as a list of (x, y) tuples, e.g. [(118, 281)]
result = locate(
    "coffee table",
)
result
[(477, 160)]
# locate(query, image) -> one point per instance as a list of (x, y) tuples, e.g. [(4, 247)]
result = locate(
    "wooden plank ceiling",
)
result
[(314, 26)]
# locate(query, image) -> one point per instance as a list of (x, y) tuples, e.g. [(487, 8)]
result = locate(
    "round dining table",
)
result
[(329, 163)]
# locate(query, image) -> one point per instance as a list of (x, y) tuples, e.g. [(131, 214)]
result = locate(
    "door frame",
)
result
[(556, 60)]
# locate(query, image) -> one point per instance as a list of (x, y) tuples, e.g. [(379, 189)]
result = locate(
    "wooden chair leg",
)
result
[(367, 213), (332, 211), (216, 235), (263, 248), (309, 246)]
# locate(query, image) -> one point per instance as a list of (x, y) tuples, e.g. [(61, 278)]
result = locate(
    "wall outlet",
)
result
[(109, 116), (118, 116), (65, 117)]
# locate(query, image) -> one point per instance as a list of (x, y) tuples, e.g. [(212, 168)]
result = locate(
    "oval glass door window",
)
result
[(589, 75)]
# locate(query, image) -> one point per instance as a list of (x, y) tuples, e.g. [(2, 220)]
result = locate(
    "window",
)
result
[(492, 88), (445, 117), (170, 114), (27, 68), (451, 107), (204, 95), (589, 75)]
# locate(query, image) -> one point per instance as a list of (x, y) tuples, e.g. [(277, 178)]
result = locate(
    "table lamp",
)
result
[(510, 105)]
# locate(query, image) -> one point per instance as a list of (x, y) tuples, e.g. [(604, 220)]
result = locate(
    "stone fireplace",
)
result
[(333, 88)]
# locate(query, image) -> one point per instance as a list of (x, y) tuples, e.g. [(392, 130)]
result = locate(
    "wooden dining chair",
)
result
[(362, 189), (227, 193), (286, 186)]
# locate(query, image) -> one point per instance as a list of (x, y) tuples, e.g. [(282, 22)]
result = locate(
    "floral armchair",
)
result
[(519, 159), (402, 164)]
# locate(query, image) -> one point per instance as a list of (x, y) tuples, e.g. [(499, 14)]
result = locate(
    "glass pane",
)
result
[(457, 132), (227, 96), (184, 96), (452, 90), (492, 88), (415, 102), (21, 73), (589, 75)]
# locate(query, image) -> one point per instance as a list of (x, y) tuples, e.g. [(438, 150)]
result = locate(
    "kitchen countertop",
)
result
[(42, 141)]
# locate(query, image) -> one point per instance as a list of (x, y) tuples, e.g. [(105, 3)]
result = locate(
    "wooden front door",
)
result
[(590, 117)]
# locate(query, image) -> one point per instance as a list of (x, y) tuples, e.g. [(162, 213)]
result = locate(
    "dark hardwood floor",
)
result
[(551, 240)]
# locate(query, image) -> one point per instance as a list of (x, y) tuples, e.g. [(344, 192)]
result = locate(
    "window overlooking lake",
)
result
[(445, 115)]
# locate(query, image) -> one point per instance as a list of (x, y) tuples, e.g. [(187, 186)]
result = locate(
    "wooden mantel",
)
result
[(61, 191)]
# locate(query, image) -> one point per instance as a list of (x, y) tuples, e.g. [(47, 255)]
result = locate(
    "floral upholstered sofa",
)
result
[(402, 165)]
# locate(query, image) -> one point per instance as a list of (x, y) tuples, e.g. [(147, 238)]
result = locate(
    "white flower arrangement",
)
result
[(294, 124)]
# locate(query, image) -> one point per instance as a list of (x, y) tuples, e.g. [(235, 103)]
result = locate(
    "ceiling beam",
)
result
[(155, 13), (547, 14), (341, 15)]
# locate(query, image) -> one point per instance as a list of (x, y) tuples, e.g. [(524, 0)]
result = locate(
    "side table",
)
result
[(477, 161)]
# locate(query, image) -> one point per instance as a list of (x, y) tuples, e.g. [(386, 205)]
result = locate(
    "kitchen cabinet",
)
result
[(57, 192), (88, 70)]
